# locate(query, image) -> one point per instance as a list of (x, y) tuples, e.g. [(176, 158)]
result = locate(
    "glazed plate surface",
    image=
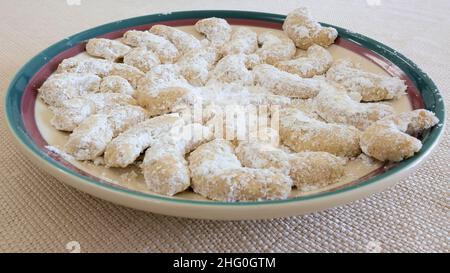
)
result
[(28, 119)]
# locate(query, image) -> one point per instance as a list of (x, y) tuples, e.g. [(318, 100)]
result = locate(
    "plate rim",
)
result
[(410, 68)]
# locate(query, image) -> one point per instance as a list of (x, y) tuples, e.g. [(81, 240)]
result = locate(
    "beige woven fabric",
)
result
[(38, 213)]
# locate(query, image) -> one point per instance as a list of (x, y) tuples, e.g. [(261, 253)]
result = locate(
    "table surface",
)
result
[(39, 213)]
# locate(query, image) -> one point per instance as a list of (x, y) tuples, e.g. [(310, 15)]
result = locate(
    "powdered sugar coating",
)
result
[(165, 167), (141, 58), (307, 169), (227, 71), (72, 112), (116, 84), (285, 84), (305, 31), (243, 41), (162, 88), (61, 87), (371, 86), (316, 62), (220, 94), (216, 30), (316, 169), (302, 133), (127, 146), (390, 139), (217, 174), (195, 65), (233, 68), (275, 47), (95, 66), (183, 41), (128, 72), (334, 105), (105, 48), (166, 51), (91, 137), (101, 68)]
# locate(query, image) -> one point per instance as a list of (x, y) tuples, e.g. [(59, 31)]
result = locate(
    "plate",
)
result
[(26, 127)]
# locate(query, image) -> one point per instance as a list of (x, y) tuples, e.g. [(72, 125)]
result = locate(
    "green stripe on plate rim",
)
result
[(431, 96)]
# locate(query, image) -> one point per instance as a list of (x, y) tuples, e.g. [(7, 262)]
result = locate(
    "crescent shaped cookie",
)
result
[(316, 62), (161, 89), (196, 65), (165, 167), (243, 41), (61, 87), (127, 146), (217, 174), (183, 41), (285, 84), (275, 47), (216, 30), (141, 58), (108, 49), (336, 106), (305, 31), (390, 139), (166, 51), (371, 86), (302, 133), (72, 112), (91, 137)]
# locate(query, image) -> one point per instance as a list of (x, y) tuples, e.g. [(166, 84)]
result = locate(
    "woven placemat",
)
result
[(38, 213)]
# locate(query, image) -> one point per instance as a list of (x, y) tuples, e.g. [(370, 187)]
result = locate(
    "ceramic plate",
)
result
[(27, 124)]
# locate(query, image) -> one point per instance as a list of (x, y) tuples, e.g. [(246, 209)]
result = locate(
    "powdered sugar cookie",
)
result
[(275, 47), (183, 41), (108, 49), (91, 137), (390, 139), (165, 167), (243, 41), (116, 84), (302, 133), (307, 169), (336, 106), (141, 58), (371, 86), (233, 68), (305, 31), (61, 87), (72, 112), (285, 84), (161, 89), (127, 146), (216, 30), (316, 62), (195, 65), (166, 51), (217, 174), (95, 66)]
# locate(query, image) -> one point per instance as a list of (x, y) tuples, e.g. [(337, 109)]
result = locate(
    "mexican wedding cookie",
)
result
[(371, 86), (219, 175), (231, 113), (305, 31), (392, 138)]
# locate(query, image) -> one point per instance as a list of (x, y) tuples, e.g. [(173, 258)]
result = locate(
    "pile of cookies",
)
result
[(130, 101)]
